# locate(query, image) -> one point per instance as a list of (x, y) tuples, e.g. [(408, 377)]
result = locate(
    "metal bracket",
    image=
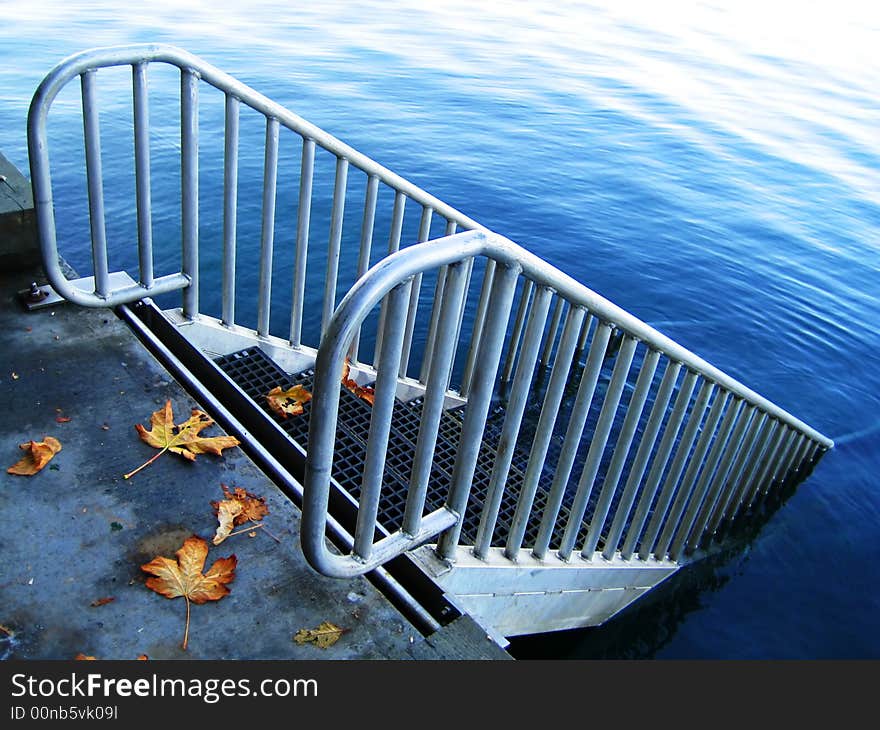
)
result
[(44, 295)]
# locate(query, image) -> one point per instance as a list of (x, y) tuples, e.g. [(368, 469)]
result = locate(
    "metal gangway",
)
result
[(541, 455)]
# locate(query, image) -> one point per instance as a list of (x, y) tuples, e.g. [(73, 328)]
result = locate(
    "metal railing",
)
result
[(194, 73), (624, 442), (710, 454)]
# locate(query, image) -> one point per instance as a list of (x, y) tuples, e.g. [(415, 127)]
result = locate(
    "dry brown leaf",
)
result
[(240, 506), (364, 392), (84, 657), (324, 636), (184, 576), (143, 658), (102, 601), (288, 402), (38, 454), (62, 419), (227, 511), (183, 439)]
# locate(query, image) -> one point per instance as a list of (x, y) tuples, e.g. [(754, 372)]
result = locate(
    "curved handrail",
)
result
[(83, 63), (395, 271)]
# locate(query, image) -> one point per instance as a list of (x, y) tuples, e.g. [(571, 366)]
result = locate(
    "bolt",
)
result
[(36, 294)]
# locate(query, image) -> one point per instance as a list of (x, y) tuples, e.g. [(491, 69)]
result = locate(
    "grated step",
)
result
[(256, 374)]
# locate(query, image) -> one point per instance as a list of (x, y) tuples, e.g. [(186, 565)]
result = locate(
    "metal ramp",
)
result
[(541, 456)]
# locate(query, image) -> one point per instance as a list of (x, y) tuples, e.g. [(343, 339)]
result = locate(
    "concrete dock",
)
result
[(76, 533)]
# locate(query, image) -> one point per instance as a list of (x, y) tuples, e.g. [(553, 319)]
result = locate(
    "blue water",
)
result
[(713, 170)]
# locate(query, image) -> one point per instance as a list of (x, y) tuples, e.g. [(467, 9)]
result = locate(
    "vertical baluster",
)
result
[(551, 333), (762, 444), (435, 396), (334, 242), (142, 173), (477, 334), (267, 238), (582, 340), (776, 471), (518, 322), (393, 246), (801, 456), (544, 431), (597, 445), (621, 451), (702, 495), (366, 244), (661, 458), (498, 311), (749, 420), (94, 175), (387, 365), (581, 408), (439, 289), (307, 172), (516, 404), (768, 461), (435, 309), (675, 469), (230, 206), (412, 312), (189, 169), (640, 461), (689, 483)]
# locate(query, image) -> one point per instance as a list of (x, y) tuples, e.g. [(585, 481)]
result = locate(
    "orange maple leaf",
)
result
[(184, 576), (288, 402), (183, 439), (364, 392), (38, 454), (240, 506)]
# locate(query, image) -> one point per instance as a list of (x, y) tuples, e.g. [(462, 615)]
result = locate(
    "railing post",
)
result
[(189, 171), (267, 238), (498, 310), (380, 421), (142, 172), (91, 131), (230, 206)]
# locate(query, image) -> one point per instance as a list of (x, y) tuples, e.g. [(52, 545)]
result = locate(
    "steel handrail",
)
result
[(393, 273)]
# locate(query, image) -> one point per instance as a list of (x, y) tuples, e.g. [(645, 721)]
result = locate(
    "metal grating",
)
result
[(256, 374)]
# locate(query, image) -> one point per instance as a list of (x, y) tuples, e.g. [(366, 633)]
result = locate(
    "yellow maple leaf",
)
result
[(184, 439), (184, 577), (288, 402), (326, 635), (37, 455)]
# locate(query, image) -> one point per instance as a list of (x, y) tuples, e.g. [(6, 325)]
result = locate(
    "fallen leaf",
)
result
[(84, 657), (6, 630), (184, 576), (364, 392), (324, 636), (240, 506), (227, 511), (102, 601), (62, 419), (183, 439), (143, 658), (288, 402), (39, 453)]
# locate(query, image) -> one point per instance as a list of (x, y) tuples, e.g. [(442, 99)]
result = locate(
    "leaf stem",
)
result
[(186, 628), (145, 464), (245, 529)]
